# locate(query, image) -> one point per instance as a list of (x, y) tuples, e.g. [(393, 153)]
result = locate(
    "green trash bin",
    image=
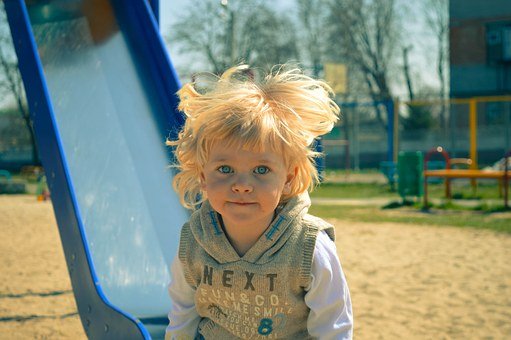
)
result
[(410, 167)]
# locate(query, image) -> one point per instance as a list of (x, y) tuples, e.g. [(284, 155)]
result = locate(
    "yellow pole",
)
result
[(473, 132)]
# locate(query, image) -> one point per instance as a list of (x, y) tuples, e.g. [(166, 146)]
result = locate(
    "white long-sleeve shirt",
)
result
[(328, 298)]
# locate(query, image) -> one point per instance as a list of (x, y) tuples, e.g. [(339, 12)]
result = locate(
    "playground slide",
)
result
[(101, 92)]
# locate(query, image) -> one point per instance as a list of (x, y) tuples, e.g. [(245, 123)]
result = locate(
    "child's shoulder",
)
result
[(314, 220), (320, 224)]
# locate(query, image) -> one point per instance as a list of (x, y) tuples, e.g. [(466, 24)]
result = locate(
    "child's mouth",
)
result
[(242, 203)]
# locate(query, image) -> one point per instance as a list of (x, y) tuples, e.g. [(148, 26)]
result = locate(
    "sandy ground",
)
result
[(407, 282)]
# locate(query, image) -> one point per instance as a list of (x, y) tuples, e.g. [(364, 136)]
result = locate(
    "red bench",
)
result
[(449, 173)]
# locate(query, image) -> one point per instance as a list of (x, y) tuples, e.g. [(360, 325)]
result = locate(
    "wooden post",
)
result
[(473, 132), (473, 139)]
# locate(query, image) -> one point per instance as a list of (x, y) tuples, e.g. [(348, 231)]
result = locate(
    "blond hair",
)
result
[(287, 110)]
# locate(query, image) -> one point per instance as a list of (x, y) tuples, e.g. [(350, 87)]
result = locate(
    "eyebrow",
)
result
[(261, 160)]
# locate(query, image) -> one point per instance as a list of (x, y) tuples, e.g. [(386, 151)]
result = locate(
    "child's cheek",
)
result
[(218, 183)]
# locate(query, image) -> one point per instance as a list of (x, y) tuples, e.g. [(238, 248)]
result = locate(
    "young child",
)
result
[(252, 263)]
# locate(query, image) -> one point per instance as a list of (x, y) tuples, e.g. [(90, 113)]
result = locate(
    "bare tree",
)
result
[(419, 116), (437, 20), (312, 17), (366, 34), (10, 79), (406, 71), (223, 33)]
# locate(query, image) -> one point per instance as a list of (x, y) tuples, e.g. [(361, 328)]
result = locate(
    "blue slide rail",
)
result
[(101, 92)]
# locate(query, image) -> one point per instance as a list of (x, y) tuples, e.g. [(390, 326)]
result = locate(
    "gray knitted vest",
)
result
[(259, 295)]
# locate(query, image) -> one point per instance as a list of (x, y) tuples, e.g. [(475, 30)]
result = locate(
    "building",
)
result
[(480, 47)]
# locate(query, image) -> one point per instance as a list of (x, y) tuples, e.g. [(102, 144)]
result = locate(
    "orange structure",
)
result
[(449, 173)]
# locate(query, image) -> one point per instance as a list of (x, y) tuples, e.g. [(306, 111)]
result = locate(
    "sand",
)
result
[(416, 282), (406, 281)]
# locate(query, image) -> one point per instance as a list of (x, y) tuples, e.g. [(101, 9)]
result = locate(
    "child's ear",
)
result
[(289, 180), (202, 181)]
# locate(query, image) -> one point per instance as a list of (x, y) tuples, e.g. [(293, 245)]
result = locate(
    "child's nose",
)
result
[(242, 185)]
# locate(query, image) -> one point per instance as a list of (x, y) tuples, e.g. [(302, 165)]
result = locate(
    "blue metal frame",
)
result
[(155, 9), (150, 46), (99, 317)]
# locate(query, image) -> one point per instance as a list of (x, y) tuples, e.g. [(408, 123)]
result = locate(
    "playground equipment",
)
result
[(388, 167), (472, 119), (472, 102), (100, 88), (449, 173)]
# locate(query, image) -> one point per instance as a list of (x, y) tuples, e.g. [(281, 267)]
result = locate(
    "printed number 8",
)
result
[(265, 327)]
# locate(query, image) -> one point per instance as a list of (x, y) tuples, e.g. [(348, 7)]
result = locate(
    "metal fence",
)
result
[(363, 138), (15, 144), (478, 128)]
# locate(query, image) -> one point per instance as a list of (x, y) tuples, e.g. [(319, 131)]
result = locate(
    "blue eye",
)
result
[(225, 169), (261, 170)]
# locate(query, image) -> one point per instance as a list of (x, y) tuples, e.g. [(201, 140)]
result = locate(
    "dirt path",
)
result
[(407, 282)]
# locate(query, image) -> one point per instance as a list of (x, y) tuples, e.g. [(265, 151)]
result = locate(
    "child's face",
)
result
[(244, 186)]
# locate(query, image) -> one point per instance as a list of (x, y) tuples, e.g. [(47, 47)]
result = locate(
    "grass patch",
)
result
[(353, 190), (482, 209), (463, 191), (329, 173), (495, 221)]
